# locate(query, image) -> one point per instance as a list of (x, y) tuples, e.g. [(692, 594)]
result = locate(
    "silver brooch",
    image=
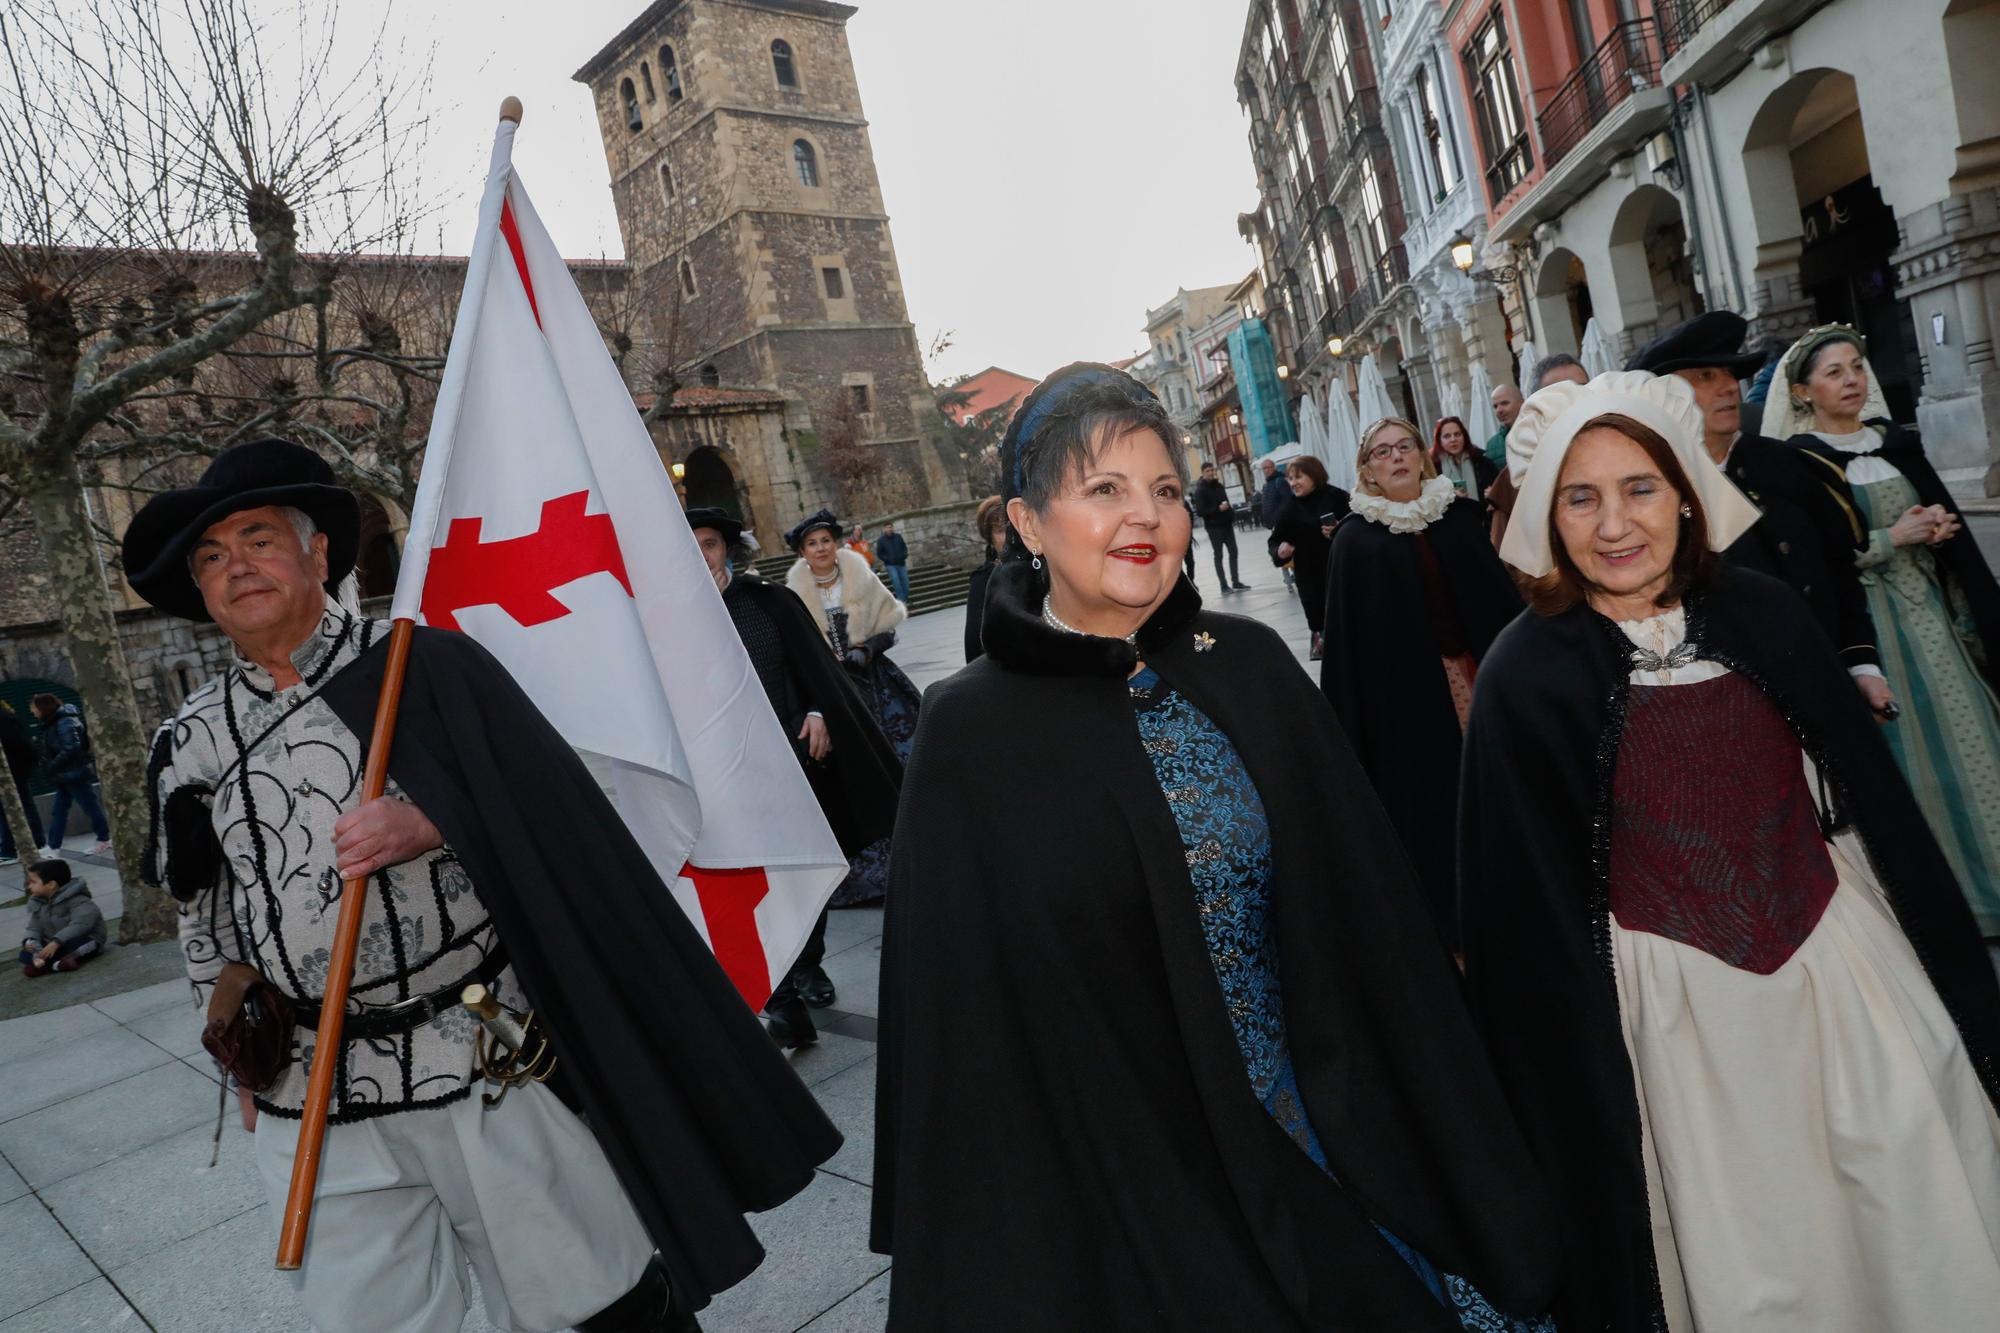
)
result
[(1683, 654), (1204, 641)]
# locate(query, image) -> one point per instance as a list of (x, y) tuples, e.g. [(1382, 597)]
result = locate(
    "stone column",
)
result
[(1949, 271)]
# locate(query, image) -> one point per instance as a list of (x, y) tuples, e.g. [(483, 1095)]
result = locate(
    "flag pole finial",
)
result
[(510, 109)]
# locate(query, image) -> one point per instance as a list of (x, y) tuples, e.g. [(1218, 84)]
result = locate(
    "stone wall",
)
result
[(938, 535), (169, 658)]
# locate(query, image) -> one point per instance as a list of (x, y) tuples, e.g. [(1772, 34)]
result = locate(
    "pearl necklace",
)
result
[(827, 582), (1055, 622)]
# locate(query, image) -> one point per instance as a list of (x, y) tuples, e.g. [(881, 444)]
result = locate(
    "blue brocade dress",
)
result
[(1228, 841)]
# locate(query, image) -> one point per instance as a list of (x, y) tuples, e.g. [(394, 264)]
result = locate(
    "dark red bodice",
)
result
[(1714, 840)]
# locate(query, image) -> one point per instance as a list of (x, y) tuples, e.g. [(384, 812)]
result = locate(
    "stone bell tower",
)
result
[(753, 225)]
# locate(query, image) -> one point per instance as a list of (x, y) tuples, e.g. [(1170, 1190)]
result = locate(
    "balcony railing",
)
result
[(1362, 114), (1627, 60), (1680, 20)]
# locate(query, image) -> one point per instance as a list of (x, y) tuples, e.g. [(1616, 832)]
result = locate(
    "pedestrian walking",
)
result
[(65, 925), (894, 553), (1931, 597), (857, 542), (1304, 533), (1453, 457), (857, 618), (989, 520), (1272, 497), (259, 820), (1414, 598), (1807, 536), (854, 771), (1758, 1066), (1506, 401), (21, 755), (1218, 520), (70, 767), (1107, 895)]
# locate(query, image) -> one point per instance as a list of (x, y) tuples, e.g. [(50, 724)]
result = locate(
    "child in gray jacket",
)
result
[(64, 926)]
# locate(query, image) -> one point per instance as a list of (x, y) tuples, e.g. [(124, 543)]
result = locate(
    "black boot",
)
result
[(814, 986), (789, 1022), (647, 1308)]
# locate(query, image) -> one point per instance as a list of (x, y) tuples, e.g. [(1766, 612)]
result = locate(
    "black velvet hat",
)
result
[(244, 476), (810, 524), (720, 520), (1713, 339)]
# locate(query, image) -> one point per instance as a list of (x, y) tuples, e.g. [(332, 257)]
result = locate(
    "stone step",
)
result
[(932, 587)]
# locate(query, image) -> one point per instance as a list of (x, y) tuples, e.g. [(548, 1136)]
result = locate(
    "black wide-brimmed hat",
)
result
[(721, 520), (810, 524), (244, 476), (1713, 339)]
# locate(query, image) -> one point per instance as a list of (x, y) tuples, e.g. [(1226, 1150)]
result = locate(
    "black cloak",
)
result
[(1066, 1137), (857, 784), (698, 1112), (1547, 720), (1970, 586), (1806, 538), (1382, 646), (1299, 522)]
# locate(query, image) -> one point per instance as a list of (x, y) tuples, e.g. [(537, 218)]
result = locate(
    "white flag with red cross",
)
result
[(547, 528)]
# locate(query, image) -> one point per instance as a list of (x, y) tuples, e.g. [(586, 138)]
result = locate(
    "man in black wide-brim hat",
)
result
[(494, 859), (1807, 537)]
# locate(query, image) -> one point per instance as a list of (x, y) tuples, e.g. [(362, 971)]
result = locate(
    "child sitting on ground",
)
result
[(64, 926)]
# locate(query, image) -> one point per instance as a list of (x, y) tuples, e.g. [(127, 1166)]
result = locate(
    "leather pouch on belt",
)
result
[(249, 1028)]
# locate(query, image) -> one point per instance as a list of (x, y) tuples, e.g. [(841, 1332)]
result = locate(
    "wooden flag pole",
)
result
[(340, 970)]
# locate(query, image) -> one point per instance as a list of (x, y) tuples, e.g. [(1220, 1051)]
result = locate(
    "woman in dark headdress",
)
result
[(858, 616), (1167, 1039), (1757, 1064), (1302, 533), (1933, 601), (1414, 597)]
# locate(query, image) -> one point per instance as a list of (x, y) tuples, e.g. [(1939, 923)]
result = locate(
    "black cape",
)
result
[(699, 1114), (1969, 585), (1382, 644), (858, 783), (1547, 720), (1066, 1137), (1806, 538), (1299, 522)]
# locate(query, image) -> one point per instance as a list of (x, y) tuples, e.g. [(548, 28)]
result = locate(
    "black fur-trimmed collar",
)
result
[(1016, 636)]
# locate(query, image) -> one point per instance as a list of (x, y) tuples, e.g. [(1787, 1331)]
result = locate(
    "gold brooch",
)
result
[(1204, 641)]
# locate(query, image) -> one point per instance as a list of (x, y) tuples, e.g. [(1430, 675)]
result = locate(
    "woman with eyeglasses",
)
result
[(1414, 597)]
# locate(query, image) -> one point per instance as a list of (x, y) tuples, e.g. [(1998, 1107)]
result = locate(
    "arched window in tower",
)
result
[(646, 77), (806, 162), (666, 182), (711, 377), (630, 96), (670, 72), (781, 64), (687, 280)]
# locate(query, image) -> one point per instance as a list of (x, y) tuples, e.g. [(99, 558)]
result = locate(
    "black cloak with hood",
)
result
[(1381, 668), (1547, 720), (1066, 1137)]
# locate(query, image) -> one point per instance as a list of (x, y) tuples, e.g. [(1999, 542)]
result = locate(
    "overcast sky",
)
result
[(1051, 167)]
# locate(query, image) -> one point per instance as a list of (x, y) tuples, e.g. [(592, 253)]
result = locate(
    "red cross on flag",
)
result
[(546, 527)]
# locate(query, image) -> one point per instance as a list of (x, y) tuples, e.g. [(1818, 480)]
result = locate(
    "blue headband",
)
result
[(1058, 393)]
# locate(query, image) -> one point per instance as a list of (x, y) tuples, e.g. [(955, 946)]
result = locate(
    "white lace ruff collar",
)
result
[(1407, 515)]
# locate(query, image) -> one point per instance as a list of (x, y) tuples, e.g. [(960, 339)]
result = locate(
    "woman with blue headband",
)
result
[(1168, 1040)]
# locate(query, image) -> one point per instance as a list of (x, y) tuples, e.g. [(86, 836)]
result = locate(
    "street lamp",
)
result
[(680, 470), (1461, 253), (1235, 419), (1334, 344), (1284, 372)]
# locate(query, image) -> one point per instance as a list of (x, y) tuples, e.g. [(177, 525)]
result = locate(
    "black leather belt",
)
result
[(407, 1015)]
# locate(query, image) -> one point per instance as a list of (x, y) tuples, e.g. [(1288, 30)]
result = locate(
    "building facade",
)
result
[(1798, 161), (753, 225), (1171, 365)]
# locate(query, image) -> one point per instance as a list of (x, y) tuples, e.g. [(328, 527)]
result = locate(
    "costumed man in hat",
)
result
[(854, 772), (1808, 535), (476, 874)]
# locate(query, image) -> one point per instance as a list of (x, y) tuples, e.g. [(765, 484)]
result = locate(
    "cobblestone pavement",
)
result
[(111, 1218)]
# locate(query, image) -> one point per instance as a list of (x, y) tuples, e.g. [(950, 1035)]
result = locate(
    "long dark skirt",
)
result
[(893, 701)]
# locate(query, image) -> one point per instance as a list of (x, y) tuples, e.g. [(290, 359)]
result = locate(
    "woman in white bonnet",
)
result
[(1760, 1085)]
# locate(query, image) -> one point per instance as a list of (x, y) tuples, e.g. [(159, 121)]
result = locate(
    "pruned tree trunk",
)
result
[(54, 495), (16, 815)]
